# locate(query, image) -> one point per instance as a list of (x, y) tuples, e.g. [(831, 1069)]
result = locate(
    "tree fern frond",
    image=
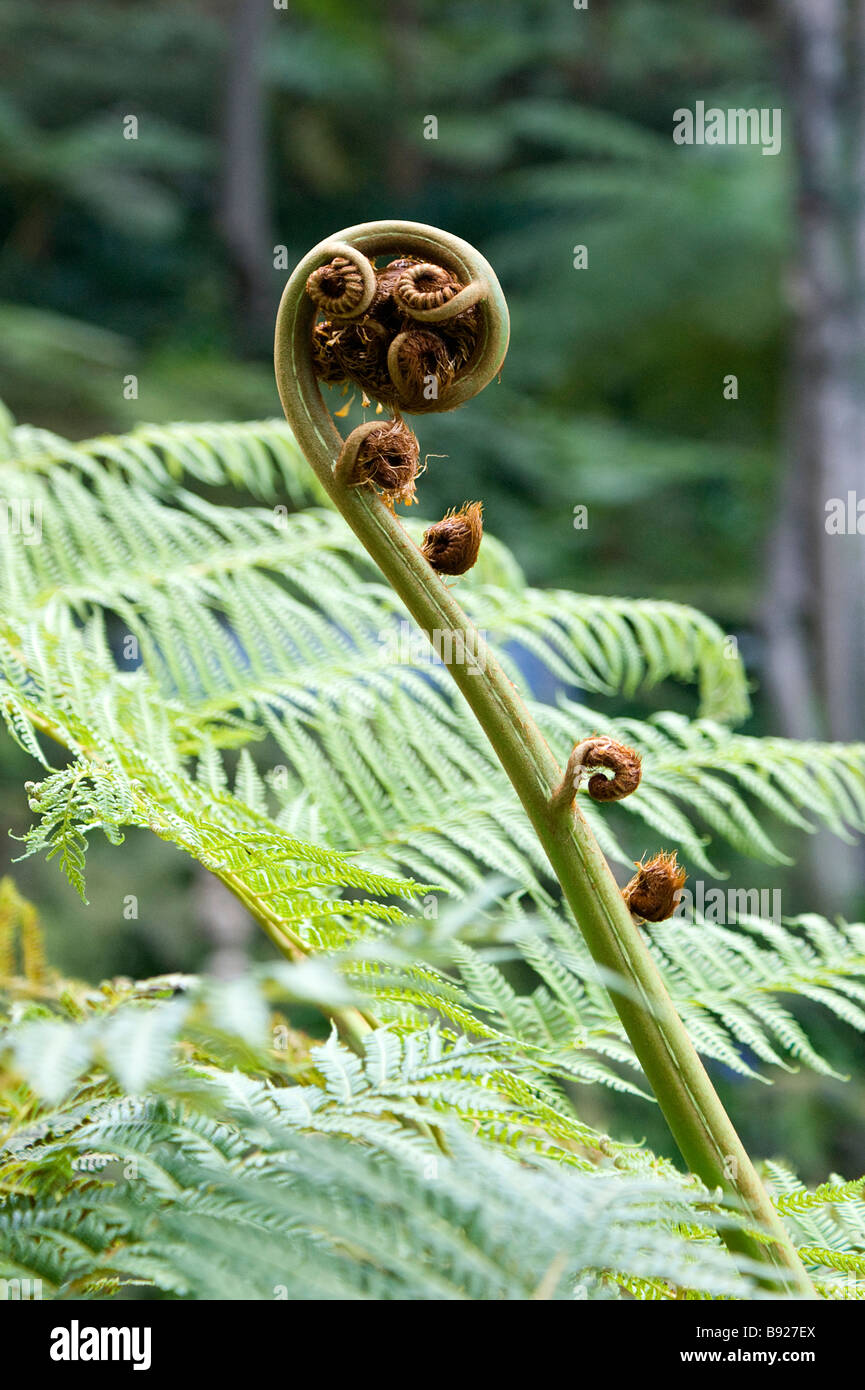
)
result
[(614, 644), (103, 529), (228, 679), (261, 456), (727, 985), (200, 590), (167, 1190), (320, 1216), (828, 1224)]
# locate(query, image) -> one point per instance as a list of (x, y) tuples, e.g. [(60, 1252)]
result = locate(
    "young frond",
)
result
[(700, 769)]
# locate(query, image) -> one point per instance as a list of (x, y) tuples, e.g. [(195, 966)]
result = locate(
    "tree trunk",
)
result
[(815, 607), (245, 211), (404, 163)]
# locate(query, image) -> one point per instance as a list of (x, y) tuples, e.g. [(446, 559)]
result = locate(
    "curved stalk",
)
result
[(699, 1124)]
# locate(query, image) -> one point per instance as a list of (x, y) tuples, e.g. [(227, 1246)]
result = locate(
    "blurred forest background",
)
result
[(264, 126)]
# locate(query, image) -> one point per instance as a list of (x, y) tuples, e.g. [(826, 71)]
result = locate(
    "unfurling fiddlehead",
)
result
[(343, 288), (403, 333), (343, 313), (595, 752)]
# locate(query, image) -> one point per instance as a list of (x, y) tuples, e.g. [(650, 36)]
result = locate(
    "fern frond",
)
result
[(116, 489), (166, 1192), (828, 1224), (227, 678), (614, 645), (260, 457), (246, 619), (727, 985)]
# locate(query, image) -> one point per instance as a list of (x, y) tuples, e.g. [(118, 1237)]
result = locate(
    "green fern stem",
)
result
[(697, 1119)]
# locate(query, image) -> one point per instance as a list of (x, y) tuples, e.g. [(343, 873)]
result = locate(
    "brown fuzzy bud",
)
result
[(655, 891), (596, 752), (342, 287), (452, 544), (420, 368), (386, 455)]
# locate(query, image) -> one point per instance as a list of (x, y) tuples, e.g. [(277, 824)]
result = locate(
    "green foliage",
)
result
[(259, 457), (263, 726), (169, 1188), (829, 1226), (202, 1148), (725, 983), (232, 679)]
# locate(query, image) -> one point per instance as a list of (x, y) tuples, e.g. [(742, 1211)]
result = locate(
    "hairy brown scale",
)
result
[(361, 350), (324, 357), (385, 307), (460, 336)]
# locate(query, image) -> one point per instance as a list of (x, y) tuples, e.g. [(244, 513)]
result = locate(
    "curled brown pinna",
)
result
[(425, 286), (384, 308), (599, 752), (343, 287), (384, 453), (460, 336), (452, 544), (655, 891)]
